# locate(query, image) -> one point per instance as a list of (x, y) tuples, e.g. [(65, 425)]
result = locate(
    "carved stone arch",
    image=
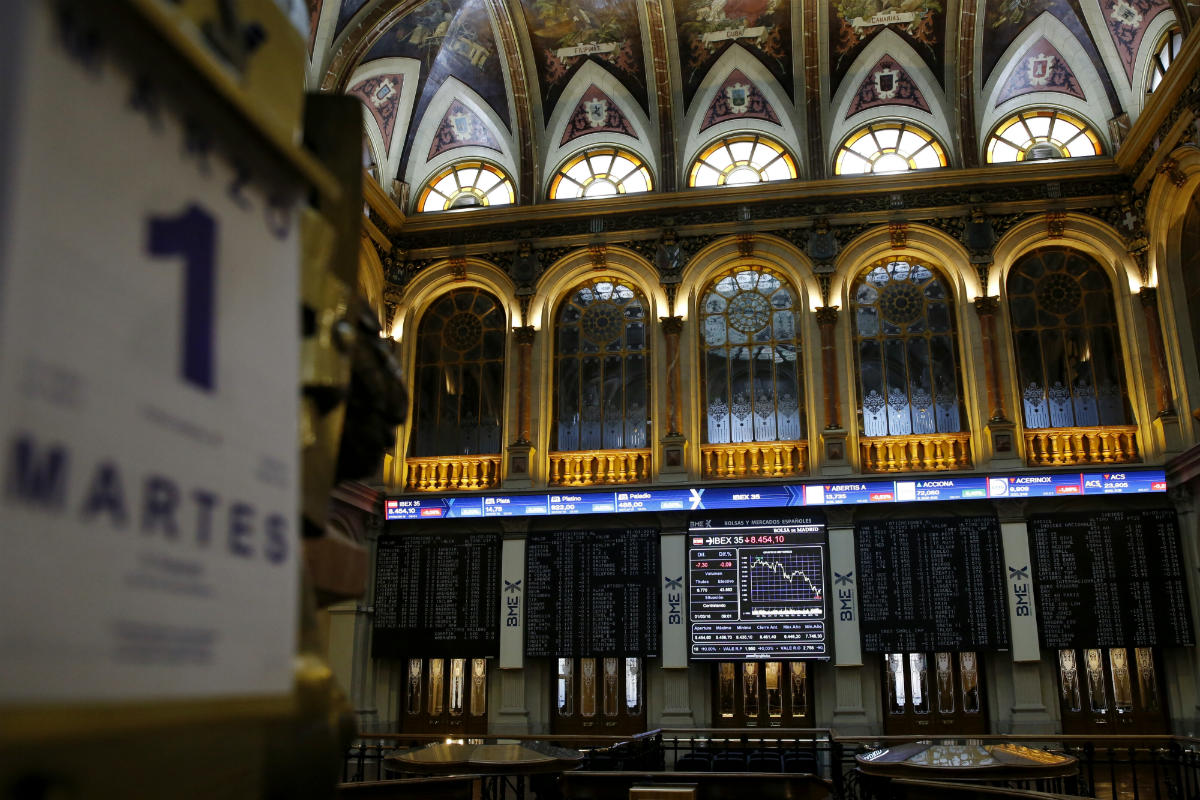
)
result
[(591, 73), (769, 250), (786, 133), (388, 153), (937, 120), (1143, 64), (922, 242), (420, 168), (576, 266), (440, 278), (1080, 232), (1094, 111)]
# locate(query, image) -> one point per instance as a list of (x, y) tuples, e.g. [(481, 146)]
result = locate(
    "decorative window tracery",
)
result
[(467, 184), (1037, 134), (1067, 342), (601, 172), (906, 342), (601, 368), (458, 402), (881, 147), (742, 159), (750, 352)]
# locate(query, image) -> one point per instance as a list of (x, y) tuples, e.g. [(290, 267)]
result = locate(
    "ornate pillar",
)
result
[(1158, 360), (986, 308), (833, 459), (671, 328), (518, 475)]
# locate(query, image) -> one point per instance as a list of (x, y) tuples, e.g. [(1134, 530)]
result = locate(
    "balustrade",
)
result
[(754, 460), (1052, 447), (595, 467), (450, 473), (919, 453)]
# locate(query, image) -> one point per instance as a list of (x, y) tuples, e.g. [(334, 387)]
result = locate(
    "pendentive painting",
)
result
[(707, 28), (854, 23), (566, 35)]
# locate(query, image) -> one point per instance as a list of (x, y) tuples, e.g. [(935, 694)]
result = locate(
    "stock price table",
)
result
[(592, 593), (931, 584), (1109, 579), (437, 596)]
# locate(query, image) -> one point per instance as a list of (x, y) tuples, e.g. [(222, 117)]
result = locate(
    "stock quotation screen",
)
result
[(756, 589)]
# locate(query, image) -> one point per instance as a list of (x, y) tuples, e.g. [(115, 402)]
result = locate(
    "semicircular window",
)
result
[(751, 358), (458, 397), (907, 347), (888, 147), (602, 368), (467, 184), (600, 172), (1067, 343), (1040, 134), (742, 159), (1166, 52)]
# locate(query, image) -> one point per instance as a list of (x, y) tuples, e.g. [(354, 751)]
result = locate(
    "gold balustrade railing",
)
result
[(449, 473), (916, 453), (594, 467), (1052, 447), (754, 459)]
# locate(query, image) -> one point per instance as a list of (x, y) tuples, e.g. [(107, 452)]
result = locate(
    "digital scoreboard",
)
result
[(757, 589)]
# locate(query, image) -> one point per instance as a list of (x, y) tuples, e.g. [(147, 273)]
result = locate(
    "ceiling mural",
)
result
[(346, 13), (887, 83), (707, 28), (566, 35), (314, 17), (1040, 68), (461, 127), (381, 97), (450, 39), (1127, 21), (738, 98), (854, 23), (596, 113)]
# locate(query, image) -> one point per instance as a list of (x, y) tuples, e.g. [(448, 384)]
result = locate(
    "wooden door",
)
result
[(1112, 691), (445, 695), (933, 694), (762, 694)]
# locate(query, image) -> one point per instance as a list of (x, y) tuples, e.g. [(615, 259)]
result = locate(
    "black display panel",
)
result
[(931, 584), (592, 593), (437, 596), (756, 588), (1109, 579)]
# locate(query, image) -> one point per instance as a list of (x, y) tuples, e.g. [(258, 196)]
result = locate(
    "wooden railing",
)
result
[(754, 459), (446, 473), (916, 453), (593, 467), (1115, 444)]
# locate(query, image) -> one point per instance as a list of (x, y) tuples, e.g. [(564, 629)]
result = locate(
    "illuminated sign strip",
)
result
[(627, 500)]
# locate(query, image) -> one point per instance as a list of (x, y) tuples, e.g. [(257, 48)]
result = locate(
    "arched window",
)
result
[(602, 368), (888, 147), (750, 352), (460, 376), (742, 159), (1166, 52), (1037, 134), (467, 184), (907, 347), (1068, 347), (601, 172)]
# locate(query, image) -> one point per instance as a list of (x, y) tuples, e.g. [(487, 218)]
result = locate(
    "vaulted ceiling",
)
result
[(524, 84)]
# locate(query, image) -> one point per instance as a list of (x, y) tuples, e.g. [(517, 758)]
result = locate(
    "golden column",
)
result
[(1158, 359), (827, 319), (524, 336), (671, 328), (986, 308)]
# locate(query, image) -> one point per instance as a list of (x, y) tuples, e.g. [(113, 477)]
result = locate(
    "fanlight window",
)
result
[(751, 358), (603, 172), (1039, 134), (460, 376), (601, 368), (1067, 342), (906, 342), (888, 147), (467, 184), (742, 159), (1167, 52)]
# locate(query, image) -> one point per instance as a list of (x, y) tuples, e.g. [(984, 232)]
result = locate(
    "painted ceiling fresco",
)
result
[(745, 62), (853, 24), (566, 35), (451, 39), (707, 28)]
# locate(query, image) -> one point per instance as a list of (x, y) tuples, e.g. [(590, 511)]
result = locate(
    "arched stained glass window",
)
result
[(600, 172), (742, 159), (1037, 134), (602, 368), (906, 342), (1166, 52), (1067, 342), (467, 184), (460, 376), (750, 352), (888, 147)]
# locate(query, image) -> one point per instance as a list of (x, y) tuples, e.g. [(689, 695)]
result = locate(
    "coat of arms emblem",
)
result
[(887, 83), (1039, 67), (738, 95), (596, 111)]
